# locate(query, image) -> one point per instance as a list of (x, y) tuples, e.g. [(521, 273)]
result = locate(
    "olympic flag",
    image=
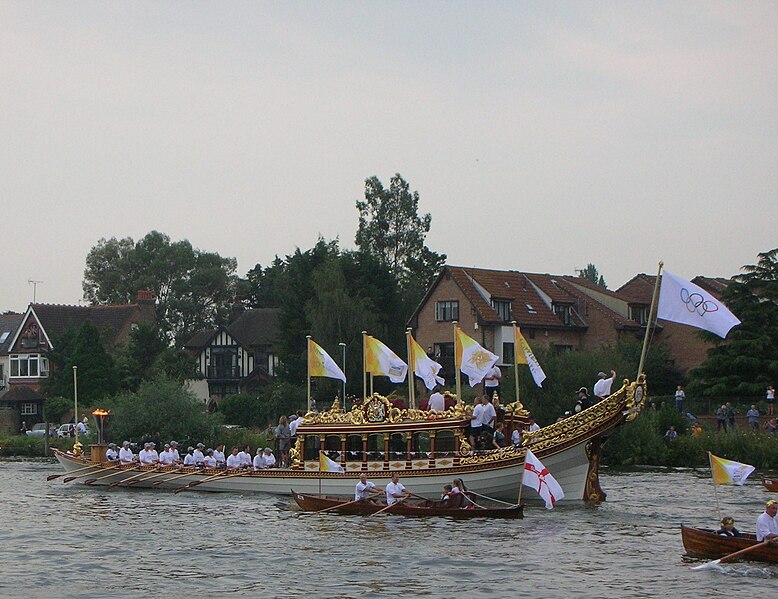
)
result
[(537, 476), (686, 303), (524, 355), (474, 360), (320, 363)]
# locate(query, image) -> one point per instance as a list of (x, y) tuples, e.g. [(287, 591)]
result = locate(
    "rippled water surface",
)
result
[(67, 540)]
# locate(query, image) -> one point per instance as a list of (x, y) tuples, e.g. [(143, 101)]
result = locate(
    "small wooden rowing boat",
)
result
[(770, 484), (345, 505), (700, 542)]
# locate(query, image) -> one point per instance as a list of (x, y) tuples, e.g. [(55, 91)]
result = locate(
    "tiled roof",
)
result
[(9, 323), (22, 393), (638, 290), (108, 319), (713, 285), (200, 339), (253, 328), (568, 282)]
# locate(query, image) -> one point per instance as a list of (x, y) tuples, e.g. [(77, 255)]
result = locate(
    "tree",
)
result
[(147, 356), (97, 376), (391, 229), (194, 289), (747, 361), (591, 274)]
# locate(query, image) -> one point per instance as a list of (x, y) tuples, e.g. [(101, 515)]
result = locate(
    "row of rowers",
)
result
[(455, 495), (199, 456)]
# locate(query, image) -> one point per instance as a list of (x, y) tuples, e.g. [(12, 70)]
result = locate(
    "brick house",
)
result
[(24, 352), (564, 312), (240, 356)]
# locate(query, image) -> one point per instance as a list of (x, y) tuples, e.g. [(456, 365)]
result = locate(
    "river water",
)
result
[(67, 540)]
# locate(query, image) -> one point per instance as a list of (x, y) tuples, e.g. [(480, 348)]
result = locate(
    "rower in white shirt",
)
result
[(146, 456), (125, 454), (189, 457), (267, 459), (166, 457), (209, 461), (218, 455), (174, 452), (111, 454), (154, 454), (233, 461), (198, 454), (245, 457)]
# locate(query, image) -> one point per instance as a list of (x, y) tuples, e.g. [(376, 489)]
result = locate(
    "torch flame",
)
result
[(101, 412)]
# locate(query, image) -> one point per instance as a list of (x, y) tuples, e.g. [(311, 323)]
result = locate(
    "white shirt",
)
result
[(198, 456), (393, 489), (175, 454), (534, 427), (81, 427), (111, 454), (258, 462), (294, 424), (268, 460), (126, 456), (361, 490), (245, 459), (166, 458), (602, 388), (495, 372), (219, 456), (233, 461), (488, 414), (209, 461), (437, 402), (475, 419), (189, 460), (765, 525), (516, 437), (146, 456)]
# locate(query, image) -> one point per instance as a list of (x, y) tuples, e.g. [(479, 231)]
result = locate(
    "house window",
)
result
[(503, 309), (447, 310), (639, 314), (29, 366), (530, 309), (564, 312), (4, 336), (531, 333), (508, 356), (29, 409)]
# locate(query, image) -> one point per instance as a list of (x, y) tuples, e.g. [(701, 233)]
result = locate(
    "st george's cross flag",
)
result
[(474, 360), (684, 302), (729, 472), (423, 366), (524, 355), (382, 361), (539, 478), (320, 363), (328, 465)]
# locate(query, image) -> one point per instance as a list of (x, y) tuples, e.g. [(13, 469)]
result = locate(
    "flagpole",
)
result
[(75, 398), (456, 364), (516, 349), (308, 361), (411, 362), (715, 486), (521, 483), (364, 365), (650, 323)]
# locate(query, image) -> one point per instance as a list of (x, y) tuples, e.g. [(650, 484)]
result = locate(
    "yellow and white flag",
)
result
[(320, 363), (382, 361), (424, 367), (524, 355), (328, 465), (474, 360), (729, 472)]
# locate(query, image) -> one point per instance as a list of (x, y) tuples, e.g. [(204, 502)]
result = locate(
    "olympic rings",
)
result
[(695, 302)]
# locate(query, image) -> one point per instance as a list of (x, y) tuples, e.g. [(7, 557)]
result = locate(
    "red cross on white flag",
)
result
[(537, 476)]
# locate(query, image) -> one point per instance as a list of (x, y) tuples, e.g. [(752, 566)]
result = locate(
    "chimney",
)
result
[(145, 297)]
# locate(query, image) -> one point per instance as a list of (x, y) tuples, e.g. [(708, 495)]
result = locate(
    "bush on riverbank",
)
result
[(22, 445), (642, 443)]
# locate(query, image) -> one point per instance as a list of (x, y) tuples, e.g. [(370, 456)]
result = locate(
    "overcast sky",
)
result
[(540, 136)]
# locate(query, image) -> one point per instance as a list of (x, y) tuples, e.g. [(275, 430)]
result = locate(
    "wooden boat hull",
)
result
[(707, 544), (770, 484), (315, 503), (570, 449)]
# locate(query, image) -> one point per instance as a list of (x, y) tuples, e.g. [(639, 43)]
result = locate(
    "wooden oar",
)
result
[(334, 507), (134, 478), (388, 507), (159, 482), (53, 476), (205, 480), (730, 557), (99, 469), (119, 470), (156, 474)]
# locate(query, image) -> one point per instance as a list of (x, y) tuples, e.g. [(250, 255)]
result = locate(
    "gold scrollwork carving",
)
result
[(296, 451)]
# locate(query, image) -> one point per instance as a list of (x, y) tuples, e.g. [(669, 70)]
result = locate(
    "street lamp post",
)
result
[(343, 354)]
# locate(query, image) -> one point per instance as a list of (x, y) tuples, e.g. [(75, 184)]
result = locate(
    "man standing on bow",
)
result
[(602, 388)]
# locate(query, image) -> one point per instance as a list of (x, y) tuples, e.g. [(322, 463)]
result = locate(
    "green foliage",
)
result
[(97, 376), (747, 361), (391, 229), (56, 407), (148, 356), (22, 445), (277, 399), (590, 273), (160, 408), (194, 289)]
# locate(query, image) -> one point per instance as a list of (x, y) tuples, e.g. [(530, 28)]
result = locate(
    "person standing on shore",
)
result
[(679, 397), (753, 417), (770, 397)]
